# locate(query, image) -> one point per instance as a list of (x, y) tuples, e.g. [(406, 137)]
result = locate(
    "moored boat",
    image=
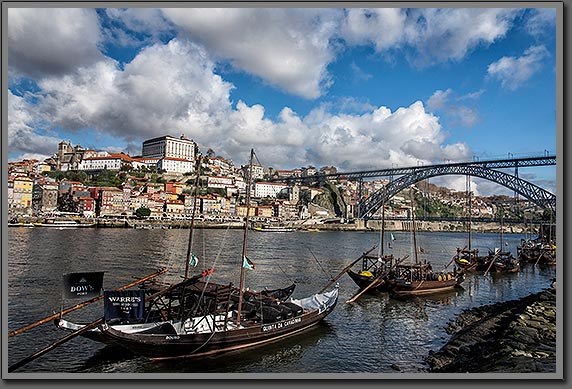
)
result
[(418, 278)]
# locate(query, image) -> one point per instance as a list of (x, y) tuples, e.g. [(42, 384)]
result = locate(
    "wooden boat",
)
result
[(467, 258), (200, 318), (470, 260), (166, 303), (419, 278), (373, 269), (503, 261), (537, 252)]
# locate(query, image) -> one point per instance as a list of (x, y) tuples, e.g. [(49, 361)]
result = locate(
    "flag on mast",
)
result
[(247, 263), (193, 260)]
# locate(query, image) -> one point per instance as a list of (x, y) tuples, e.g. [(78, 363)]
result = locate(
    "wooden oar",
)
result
[(81, 305), (54, 345), (348, 267), (492, 262), (540, 256), (376, 281)]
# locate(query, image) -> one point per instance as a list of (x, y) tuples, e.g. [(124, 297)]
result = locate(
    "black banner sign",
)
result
[(124, 304), (82, 285)]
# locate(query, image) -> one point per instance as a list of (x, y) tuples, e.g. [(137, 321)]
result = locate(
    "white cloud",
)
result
[(288, 48), (439, 99), (435, 35), (541, 21), (23, 136), (52, 41), (512, 72), (166, 88), (460, 115), (383, 27)]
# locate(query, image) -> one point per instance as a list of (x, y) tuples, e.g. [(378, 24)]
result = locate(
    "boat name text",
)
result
[(280, 324)]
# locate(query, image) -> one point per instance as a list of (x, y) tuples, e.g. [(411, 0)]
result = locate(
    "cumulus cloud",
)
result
[(513, 72), (288, 48), (166, 88), (52, 41)]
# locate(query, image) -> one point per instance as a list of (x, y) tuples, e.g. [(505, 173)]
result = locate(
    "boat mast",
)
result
[(414, 228), (242, 269), (189, 247), (501, 228), (382, 223), (469, 210)]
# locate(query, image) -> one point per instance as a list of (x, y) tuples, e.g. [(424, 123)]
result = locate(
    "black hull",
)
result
[(363, 282)]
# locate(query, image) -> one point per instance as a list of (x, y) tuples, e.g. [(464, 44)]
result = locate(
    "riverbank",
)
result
[(302, 225), (516, 336)]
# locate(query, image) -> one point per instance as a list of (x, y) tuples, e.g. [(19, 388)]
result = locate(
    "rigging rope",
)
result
[(319, 264)]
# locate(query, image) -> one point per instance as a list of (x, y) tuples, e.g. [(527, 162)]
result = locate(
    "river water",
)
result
[(375, 334)]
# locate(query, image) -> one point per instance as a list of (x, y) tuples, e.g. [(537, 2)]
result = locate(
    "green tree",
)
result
[(142, 212)]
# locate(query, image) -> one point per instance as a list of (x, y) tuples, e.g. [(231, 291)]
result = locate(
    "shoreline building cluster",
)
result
[(222, 186)]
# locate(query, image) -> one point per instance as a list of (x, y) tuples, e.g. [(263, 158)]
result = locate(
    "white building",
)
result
[(268, 189), (220, 182), (110, 162), (169, 147), (175, 165)]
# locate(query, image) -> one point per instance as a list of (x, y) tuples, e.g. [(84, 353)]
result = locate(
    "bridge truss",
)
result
[(531, 191)]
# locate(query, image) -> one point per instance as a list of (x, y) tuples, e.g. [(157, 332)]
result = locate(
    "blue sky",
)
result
[(355, 88)]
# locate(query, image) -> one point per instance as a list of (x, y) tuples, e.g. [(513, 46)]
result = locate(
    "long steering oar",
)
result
[(492, 262), (54, 345), (81, 305), (348, 267)]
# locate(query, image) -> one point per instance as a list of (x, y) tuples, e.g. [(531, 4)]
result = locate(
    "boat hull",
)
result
[(176, 345), (364, 281), (422, 287)]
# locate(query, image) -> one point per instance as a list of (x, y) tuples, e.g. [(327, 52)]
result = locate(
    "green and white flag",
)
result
[(193, 261), (247, 263)]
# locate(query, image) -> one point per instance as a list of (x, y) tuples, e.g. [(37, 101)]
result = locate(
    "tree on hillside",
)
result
[(142, 212)]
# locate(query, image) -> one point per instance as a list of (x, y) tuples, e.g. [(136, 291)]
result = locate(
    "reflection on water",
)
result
[(379, 331)]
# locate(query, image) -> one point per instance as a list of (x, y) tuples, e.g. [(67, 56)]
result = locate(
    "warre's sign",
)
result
[(125, 304)]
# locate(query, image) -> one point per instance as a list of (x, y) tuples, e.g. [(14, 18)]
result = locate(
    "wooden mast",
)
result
[(469, 210), (189, 247), (382, 222), (414, 228), (242, 269)]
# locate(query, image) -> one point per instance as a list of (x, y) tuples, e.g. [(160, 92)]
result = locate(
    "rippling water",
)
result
[(368, 336)]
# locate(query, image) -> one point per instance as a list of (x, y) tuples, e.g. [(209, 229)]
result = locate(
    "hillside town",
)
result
[(159, 185)]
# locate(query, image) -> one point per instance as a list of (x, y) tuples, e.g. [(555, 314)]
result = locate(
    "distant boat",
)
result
[(273, 229), (20, 224), (63, 224)]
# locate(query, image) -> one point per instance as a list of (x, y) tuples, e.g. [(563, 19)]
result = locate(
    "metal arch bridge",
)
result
[(531, 191), (411, 175)]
